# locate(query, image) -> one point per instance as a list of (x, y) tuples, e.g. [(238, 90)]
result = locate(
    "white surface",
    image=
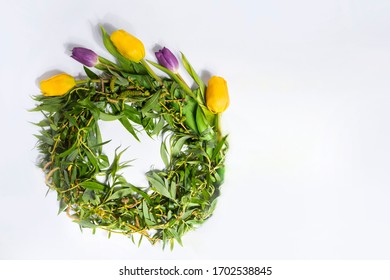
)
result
[(308, 168)]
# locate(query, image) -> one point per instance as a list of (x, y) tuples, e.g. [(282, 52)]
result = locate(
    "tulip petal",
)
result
[(167, 59), (217, 96), (57, 85), (85, 56), (128, 45)]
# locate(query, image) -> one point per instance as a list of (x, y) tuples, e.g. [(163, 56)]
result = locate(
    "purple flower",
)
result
[(85, 56), (166, 58)]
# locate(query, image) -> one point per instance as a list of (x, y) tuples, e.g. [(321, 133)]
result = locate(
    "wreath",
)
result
[(90, 187)]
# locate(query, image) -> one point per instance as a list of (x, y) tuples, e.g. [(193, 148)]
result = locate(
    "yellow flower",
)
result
[(128, 45), (217, 96), (57, 85)]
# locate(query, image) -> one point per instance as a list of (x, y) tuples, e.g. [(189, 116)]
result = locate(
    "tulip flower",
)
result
[(167, 59), (57, 85), (217, 96), (128, 45), (85, 56)]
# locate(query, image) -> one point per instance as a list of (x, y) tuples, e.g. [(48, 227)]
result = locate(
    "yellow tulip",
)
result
[(217, 96), (128, 45), (57, 85)]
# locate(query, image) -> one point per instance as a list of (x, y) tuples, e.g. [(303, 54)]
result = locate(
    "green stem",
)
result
[(181, 79), (151, 72), (218, 126), (184, 85), (105, 61), (79, 82), (178, 79)]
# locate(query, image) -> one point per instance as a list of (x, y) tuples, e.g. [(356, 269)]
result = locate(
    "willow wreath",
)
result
[(90, 187)]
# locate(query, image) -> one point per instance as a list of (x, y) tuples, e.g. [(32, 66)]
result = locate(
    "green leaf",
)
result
[(144, 81), (71, 119), (218, 148), (108, 43), (132, 114), (119, 79), (164, 153), (171, 244), (176, 148), (201, 121), (92, 159), (73, 176), (174, 233), (158, 127), (140, 241), (43, 123), (152, 102), (72, 156), (92, 185), (210, 117), (221, 174), (145, 210), (173, 189), (141, 192), (169, 120), (90, 196), (120, 193), (125, 122), (62, 206), (193, 74), (85, 224), (212, 206), (189, 111), (90, 73), (99, 139), (187, 214), (45, 139), (87, 103), (51, 108), (108, 117), (158, 184)]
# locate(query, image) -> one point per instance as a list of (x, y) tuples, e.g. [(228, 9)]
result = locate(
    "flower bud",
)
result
[(217, 96), (85, 56), (128, 45), (167, 59), (57, 85)]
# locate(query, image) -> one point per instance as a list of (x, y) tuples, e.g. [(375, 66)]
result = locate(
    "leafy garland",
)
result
[(179, 197)]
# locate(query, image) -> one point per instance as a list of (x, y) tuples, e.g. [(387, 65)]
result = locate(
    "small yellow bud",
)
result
[(217, 96), (128, 45), (57, 85)]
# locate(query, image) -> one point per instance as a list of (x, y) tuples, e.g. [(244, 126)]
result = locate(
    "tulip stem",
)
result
[(107, 62), (218, 126), (181, 79), (151, 72), (178, 80), (79, 82), (184, 86), (187, 88)]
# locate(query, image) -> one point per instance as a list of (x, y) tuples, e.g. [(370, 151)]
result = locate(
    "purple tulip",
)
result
[(166, 58), (85, 56)]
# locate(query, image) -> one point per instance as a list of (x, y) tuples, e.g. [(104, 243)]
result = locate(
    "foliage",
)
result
[(178, 198)]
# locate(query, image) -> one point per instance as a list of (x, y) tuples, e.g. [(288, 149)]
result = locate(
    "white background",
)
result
[(308, 167)]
